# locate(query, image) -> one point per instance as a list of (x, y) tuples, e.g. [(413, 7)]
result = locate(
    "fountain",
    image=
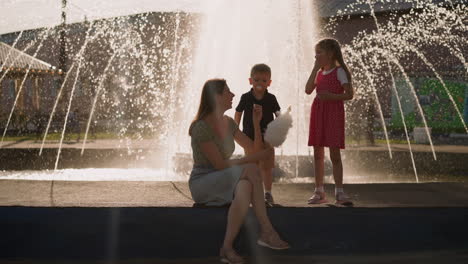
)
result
[(413, 36), (139, 76), (121, 194)]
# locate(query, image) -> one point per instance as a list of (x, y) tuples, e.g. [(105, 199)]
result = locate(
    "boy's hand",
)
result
[(257, 113), (269, 148)]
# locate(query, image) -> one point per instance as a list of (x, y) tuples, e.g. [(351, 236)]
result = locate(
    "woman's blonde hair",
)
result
[(211, 88)]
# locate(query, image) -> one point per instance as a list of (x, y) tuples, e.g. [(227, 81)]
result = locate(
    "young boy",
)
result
[(260, 79)]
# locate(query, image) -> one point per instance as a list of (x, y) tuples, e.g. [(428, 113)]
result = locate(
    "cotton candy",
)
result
[(277, 130)]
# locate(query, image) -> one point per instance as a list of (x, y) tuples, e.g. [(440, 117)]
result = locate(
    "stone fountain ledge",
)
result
[(130, 221), (24, 155)]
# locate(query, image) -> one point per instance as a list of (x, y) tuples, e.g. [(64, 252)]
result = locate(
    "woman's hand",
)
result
[(257, 113)]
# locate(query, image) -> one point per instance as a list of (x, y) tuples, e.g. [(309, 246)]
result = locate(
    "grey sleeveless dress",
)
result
[(208, 185)]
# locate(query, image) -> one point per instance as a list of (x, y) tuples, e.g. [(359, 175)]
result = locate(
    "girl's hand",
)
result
[(325, 95), (257, 113), (310, 85), (316, 65)]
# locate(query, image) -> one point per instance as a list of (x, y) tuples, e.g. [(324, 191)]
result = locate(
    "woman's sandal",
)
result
[(265, 243), (232, 259)]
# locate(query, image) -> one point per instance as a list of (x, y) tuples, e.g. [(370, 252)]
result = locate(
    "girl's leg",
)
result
[(319, 193), (341, 197), (319, 156), (236, 215), (335, 157)]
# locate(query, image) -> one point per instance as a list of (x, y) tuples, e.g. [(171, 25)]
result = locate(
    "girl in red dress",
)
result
[(332, 81)]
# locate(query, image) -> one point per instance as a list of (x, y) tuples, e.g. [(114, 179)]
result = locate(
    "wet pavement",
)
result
[(177, 194)]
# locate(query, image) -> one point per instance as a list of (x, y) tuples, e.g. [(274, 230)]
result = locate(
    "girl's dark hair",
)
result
[(333, 46), (211, 88)]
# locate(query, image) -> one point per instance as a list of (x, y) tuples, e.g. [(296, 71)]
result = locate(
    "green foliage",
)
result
[(440, 113)]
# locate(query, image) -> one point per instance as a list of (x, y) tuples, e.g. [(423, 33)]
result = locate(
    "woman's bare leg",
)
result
[(236, 215), (237, 211), (267, 232)]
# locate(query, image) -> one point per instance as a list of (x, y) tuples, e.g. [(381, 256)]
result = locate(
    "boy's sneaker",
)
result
[(317, 198), (343, 199), (269, 199)]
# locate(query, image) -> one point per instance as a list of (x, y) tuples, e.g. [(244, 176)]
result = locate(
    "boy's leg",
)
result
[(266, 170), (269, 200), (266, 167), (267, 175)]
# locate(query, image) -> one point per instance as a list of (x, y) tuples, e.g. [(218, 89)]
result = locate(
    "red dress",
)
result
[(327, 118)]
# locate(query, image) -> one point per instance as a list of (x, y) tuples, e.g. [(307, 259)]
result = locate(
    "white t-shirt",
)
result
[(341, 75)]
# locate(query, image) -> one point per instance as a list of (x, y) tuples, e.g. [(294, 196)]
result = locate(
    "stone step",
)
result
[(45, 233)]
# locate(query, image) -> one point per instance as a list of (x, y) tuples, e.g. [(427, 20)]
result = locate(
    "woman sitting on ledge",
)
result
[(217, 180)]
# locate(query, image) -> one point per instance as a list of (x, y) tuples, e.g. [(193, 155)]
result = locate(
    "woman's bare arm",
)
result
[(211, 152), (237, 117), (244, 141)]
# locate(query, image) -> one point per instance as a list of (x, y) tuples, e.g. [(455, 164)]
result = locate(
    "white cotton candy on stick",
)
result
[(277, 130)]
